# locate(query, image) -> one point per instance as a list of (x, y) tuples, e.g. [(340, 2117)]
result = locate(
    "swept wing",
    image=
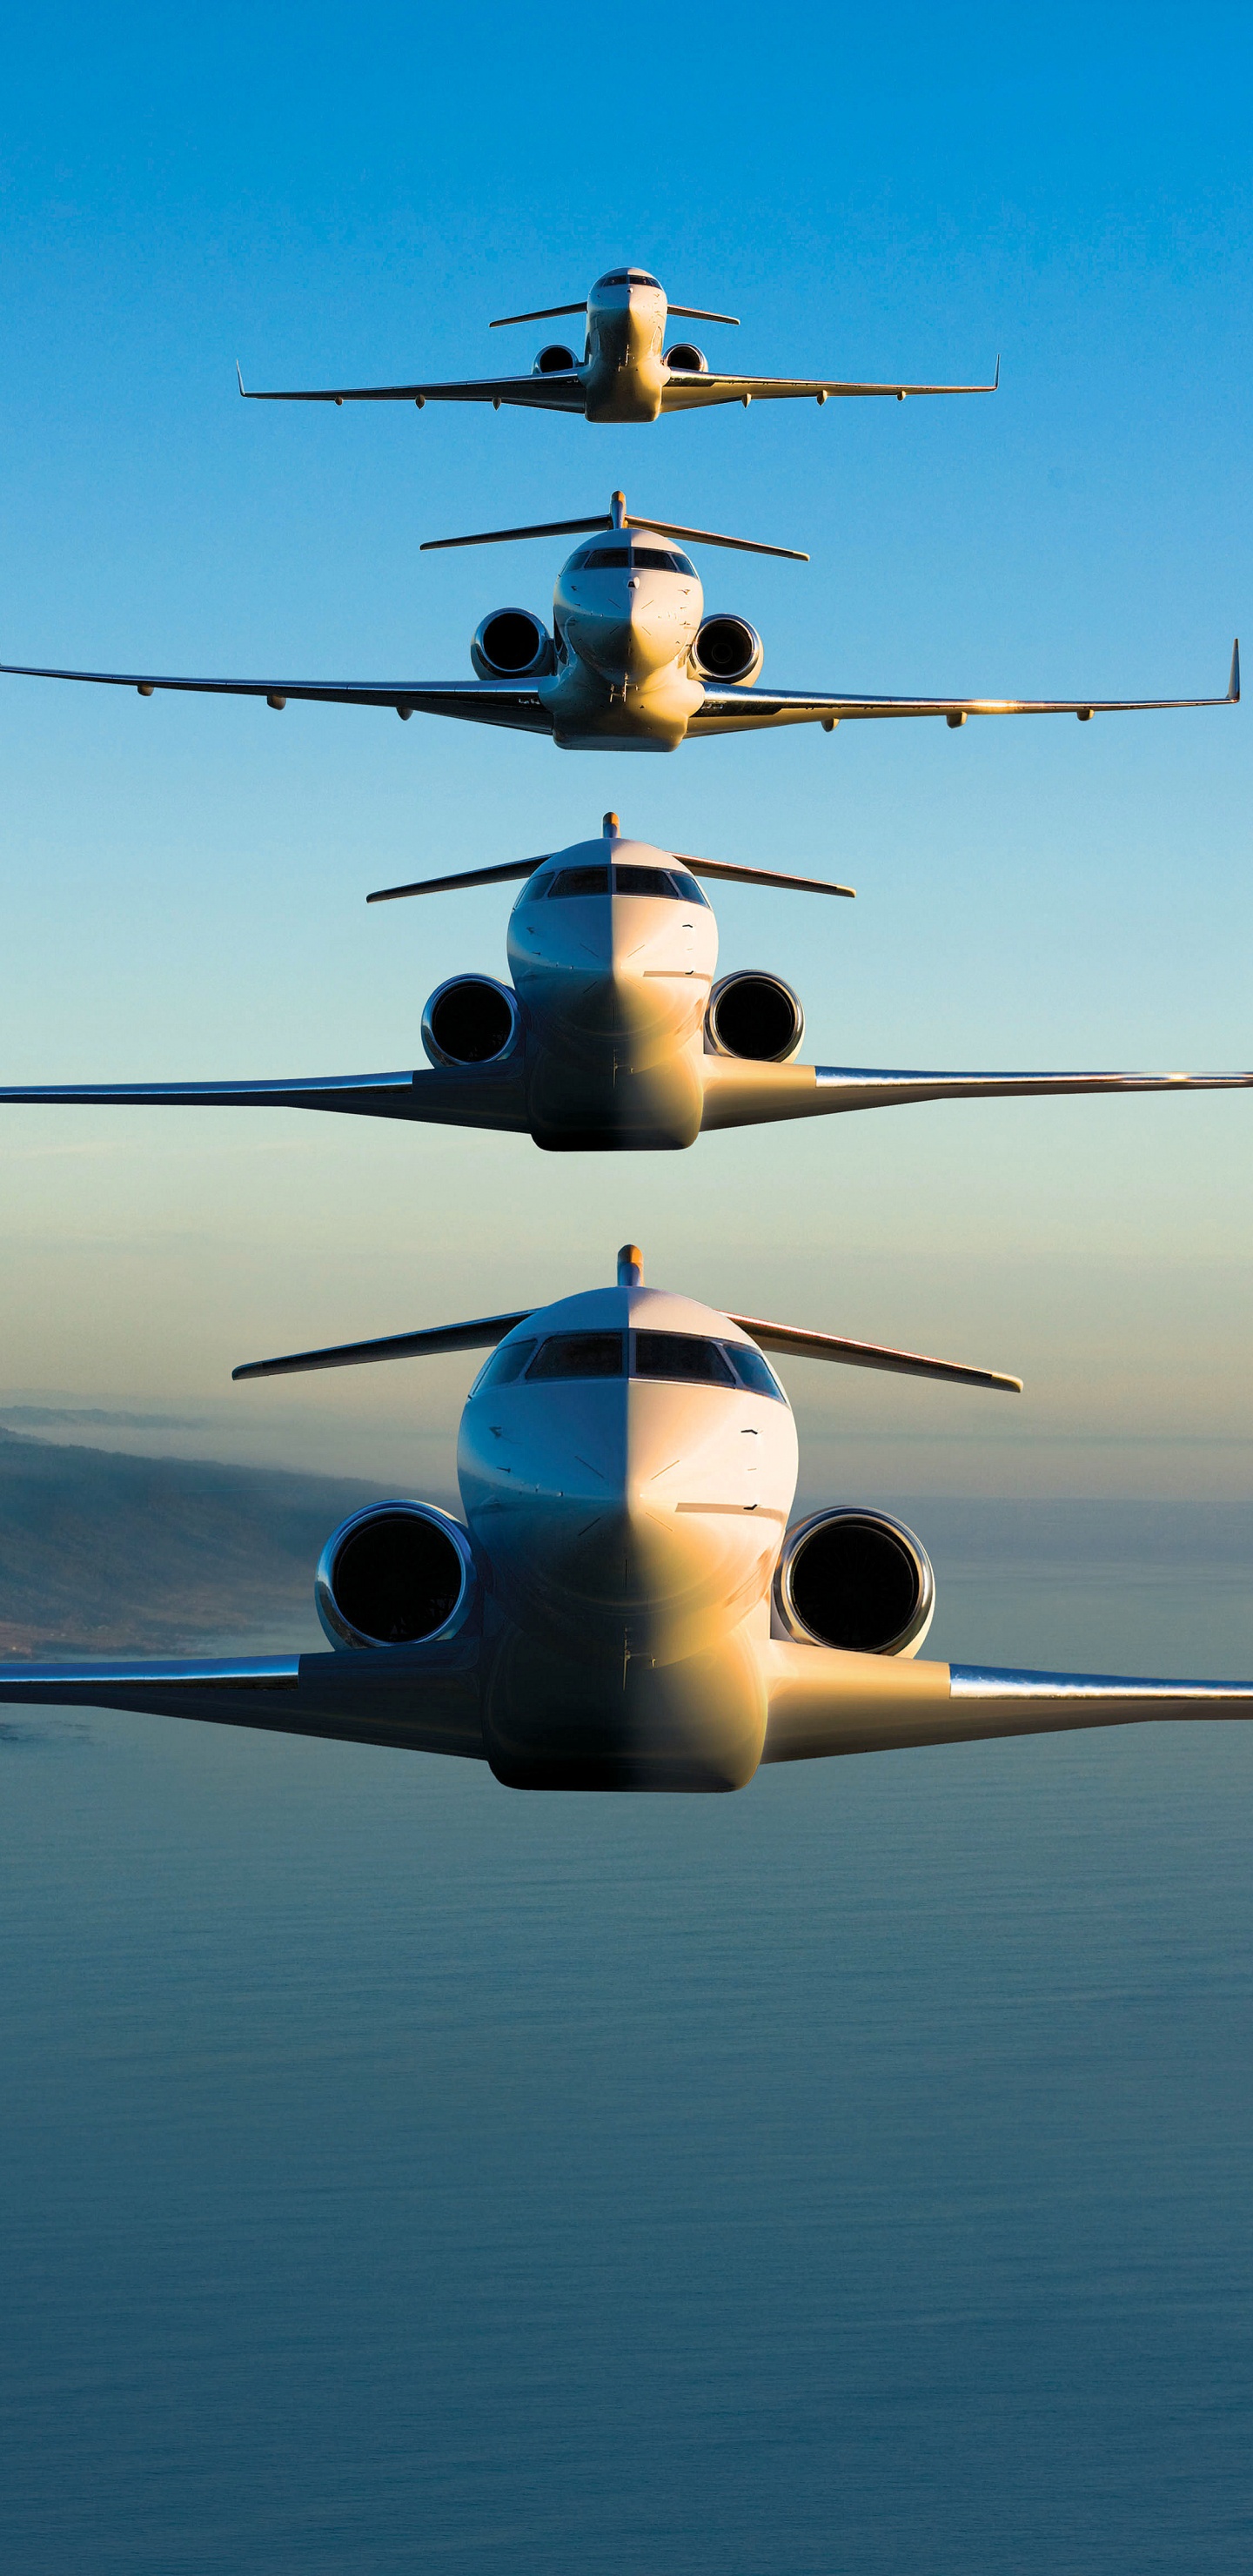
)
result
[(740, 710), (824, 1702), (692, 392), (423, 1699), (722, 710), (738, 1092), (476, 701), (561, 390)]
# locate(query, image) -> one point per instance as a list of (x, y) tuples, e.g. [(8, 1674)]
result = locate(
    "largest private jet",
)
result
[(626, 373), (615, 1032), (628, 1602), (632, 662)]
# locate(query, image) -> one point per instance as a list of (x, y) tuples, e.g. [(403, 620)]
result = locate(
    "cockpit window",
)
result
[(578, 881), (684, 1358), (628, 277), (633, 558), (579, 1355), (537, 887), (651, 881), (753, 1373), (687, 885), (681, 1355), (662, 559), (504, 1366)]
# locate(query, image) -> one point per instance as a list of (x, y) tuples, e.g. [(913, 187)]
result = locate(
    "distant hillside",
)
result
[(103, 1553)]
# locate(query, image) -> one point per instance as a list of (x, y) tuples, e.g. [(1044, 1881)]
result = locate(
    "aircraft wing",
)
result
[(556, 392), (423, 1699), (446, 1095), (741, 1094), (691, 392), (477, 701), (825, 1702), (740, 710)]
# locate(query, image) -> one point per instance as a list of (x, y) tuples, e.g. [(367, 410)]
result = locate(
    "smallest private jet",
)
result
[(626, 373), (628, 1602), (615, 1032)]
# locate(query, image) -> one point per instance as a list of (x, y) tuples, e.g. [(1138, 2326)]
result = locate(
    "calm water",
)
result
[(850, 2176)]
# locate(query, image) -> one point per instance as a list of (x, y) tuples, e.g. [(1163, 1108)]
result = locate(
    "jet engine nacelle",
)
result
[(395, 1574), (555, 360), (512, 644), (687, 358), (857, 1580), (470, 1020), (757, 1016), (727, 649)]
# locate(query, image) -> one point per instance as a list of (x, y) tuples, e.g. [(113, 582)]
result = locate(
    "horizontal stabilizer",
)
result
[(480, 1335), (694, 313), (545, 313), (791, 1343), (465, 877), (760, 876), (617, 516)]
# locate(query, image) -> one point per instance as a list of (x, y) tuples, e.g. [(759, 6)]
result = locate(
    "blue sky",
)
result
[(326, 193)]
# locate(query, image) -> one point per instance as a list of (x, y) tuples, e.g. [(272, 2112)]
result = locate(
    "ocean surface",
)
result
[(851, 2176)]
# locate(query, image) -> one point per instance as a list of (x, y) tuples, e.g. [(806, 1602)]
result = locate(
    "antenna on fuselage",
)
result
[(630, 1266)]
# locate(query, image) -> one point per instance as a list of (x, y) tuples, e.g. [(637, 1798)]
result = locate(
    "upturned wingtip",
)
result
[(1233, 684), (239, 373), (996, 380)]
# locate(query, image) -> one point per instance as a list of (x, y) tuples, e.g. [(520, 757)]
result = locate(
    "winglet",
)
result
[(996, 380), (239, 373), (1233, 684)]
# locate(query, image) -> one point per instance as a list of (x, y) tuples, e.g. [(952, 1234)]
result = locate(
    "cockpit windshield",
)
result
[(628, 277), (672, 884), (687, 1359), (634, 558)]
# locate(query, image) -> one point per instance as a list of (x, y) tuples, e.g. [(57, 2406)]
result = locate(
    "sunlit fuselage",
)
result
[(612, 951), (627, 608), (631, 1523), (624, 371)]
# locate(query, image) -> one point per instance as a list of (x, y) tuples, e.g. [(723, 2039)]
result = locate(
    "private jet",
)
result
[(626, 372), (628, 1602), (615, 1033), (632, 663)]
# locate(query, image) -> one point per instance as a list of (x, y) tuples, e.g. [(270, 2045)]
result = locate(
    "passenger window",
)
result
[(578, 881), (578, 1355), (504, 1366), (681, 1355), (752, 1372)]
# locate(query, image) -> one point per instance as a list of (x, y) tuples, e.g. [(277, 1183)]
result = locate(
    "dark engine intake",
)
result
[(856, 1580), (689, 360), (511, 644), (727, 649), (555, 360), (396, 1574), (470, 1020), (757, 1016)]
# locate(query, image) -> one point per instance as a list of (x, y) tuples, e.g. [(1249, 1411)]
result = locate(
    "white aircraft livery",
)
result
[(632, 662), (626, 372), (616, 1032), (627, 1603)]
